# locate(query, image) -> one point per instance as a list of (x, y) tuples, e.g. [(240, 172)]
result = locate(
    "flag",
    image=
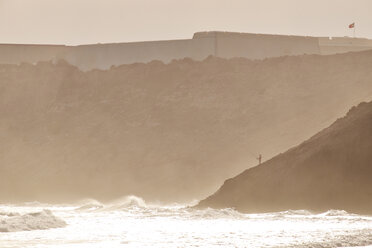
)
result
[(352, 25)]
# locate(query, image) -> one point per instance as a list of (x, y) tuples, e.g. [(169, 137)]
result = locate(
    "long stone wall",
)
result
[(202, 45), (105, 55), (260, 46), (16, 54), (343, 44)]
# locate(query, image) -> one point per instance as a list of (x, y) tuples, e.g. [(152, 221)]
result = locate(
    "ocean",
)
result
[(130, 222)]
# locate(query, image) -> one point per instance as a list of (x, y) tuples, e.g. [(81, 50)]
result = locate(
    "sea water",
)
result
[(132, 223)]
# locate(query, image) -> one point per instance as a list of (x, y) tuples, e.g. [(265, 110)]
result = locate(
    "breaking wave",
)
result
[(126, 202), (334, 212), (89, 205), (199, 227), (210, 213), (31, 221), (9, 214), (296, 212), (138, 205)]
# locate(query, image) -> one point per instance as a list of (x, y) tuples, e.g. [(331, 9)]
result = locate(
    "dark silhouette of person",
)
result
[(259, 159)]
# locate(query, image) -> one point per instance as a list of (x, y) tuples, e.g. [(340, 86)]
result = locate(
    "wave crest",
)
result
[(334, 212), (126, 202), (211, 213), (89, 205), (9, 214), (31, 221)]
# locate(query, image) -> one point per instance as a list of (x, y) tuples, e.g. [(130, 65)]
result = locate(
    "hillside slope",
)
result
[(162, 131), (331, 170)]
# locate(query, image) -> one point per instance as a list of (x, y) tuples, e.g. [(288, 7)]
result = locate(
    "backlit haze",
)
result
[(226, 140), (75, 22)]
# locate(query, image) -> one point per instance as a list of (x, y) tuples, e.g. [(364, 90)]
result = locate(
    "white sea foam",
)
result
[(131, 222), (335, 212), (210, 213), (8, 214), (126, 202), (31, 221), (296, 212), (89, 205)]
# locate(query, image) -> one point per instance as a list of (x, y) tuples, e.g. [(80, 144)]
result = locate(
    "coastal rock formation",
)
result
[(331, 170), (163, 131)]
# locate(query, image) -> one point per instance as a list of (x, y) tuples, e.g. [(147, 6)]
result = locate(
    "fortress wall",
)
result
[(16, 54), (202, 45), (104, 56), (260, 46), (343, 44)]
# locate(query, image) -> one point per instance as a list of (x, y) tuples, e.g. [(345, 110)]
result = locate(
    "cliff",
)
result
[(331, 170), (162, 131)]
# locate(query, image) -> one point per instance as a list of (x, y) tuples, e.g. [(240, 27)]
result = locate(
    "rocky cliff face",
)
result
[(331, 170), (162, 131)]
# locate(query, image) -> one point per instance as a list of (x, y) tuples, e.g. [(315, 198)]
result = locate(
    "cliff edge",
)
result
[(331, 170)]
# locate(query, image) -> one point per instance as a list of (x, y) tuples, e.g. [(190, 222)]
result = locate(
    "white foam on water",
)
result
[(89, 204), (127, 202), (131, 222), (31, 221)]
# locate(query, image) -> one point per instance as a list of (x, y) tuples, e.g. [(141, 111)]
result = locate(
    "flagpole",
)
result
[(354, 29)]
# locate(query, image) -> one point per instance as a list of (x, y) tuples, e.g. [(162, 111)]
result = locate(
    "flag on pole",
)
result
[(352, 25)]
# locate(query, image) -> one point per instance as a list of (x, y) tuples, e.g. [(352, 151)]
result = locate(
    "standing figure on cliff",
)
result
[(259, 159)]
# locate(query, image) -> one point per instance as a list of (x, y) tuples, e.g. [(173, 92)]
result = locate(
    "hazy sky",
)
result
[(94, 21)]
